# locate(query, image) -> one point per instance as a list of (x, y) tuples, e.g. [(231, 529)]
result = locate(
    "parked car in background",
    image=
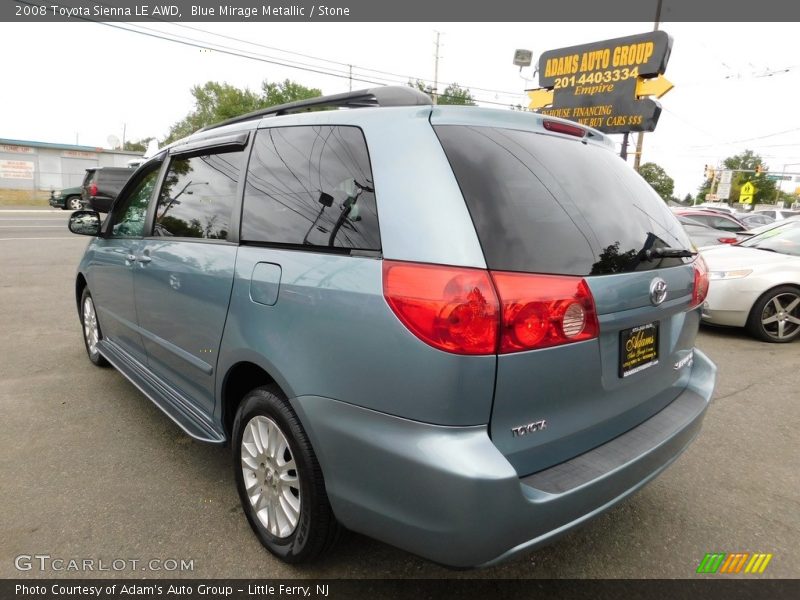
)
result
[(66, 199), (762, 228), (703, 235), (717, 220), (751, 220), (756, 284), (506, 353), (102, 184), (777, 213), (715, 206)]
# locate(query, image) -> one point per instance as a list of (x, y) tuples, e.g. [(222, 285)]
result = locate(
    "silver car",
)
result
[(756, 284)]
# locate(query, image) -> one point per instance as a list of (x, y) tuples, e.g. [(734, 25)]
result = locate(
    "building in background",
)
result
[(40, 166)]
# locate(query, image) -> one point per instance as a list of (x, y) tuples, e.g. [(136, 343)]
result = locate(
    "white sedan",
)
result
[(756, 284)]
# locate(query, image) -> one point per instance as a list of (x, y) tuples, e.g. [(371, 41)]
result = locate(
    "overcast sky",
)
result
[(737, 86)]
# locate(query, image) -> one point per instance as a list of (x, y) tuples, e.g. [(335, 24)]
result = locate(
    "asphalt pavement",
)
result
[(90, 469)]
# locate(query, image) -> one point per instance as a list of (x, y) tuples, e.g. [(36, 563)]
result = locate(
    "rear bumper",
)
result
[(448, 494)]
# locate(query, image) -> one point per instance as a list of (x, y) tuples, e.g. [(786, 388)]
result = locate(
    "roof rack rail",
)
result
[(393, 95)]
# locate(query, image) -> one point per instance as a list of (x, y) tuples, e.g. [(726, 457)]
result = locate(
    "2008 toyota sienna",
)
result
[(458, 330)]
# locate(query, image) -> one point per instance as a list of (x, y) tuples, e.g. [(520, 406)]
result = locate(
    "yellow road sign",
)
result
[(655, 86), (540, 98), (746, 193)]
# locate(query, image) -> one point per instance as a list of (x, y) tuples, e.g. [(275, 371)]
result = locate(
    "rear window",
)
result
[(545, 204), (87, 179)]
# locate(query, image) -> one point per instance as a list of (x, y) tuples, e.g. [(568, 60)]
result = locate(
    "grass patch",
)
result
[(24, 197)]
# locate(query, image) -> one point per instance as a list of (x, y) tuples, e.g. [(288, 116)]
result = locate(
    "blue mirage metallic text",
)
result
[(269, 10)]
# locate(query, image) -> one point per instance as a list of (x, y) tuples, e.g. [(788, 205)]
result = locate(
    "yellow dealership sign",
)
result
[(605, 84), (746, 193)]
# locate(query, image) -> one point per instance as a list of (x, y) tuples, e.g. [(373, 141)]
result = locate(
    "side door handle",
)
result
[(130, 258), (144, 259)]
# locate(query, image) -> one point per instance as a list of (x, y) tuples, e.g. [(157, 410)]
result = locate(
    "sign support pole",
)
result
[(637, 159)]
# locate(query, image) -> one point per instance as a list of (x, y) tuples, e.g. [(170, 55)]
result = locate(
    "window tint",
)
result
[(197, 197), (311, 186), (545, 204), (128, 219)]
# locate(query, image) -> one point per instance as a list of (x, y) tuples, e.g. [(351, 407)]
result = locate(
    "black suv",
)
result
[(102, 184)]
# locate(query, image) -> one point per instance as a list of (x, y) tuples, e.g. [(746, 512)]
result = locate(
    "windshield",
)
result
[(784, 238)]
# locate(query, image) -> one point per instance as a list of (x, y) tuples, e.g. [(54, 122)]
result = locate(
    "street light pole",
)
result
[(779, 188)]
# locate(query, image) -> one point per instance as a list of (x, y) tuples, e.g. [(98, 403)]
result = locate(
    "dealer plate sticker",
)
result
[(638, 349)]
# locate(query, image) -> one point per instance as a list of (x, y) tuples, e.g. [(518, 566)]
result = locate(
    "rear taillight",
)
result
[(458, 310), (451, 308), (727, 240), (93, 189), (538, 311), (700, 288)]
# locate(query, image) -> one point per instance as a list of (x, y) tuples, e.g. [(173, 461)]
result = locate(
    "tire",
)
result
[(72, 203), (294, 520), (775, 317), (91, 329)]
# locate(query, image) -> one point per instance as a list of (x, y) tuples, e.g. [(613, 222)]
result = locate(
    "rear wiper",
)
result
[(657, 253)]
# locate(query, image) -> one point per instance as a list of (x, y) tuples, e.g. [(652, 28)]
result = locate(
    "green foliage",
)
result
[(452, 94), (137, 145), (747, 160), (455, 94), (215, 102), (658, 179)]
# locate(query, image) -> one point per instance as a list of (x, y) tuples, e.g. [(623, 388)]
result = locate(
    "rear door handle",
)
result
[(144, 259)]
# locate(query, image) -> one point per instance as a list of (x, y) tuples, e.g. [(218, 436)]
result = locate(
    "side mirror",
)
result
[(84, 222)]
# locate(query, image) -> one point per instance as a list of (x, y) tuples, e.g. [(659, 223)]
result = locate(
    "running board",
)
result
[(176, 406)]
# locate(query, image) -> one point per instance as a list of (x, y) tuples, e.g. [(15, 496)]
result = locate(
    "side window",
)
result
[(197, 197), (128, 219), (311, 186)]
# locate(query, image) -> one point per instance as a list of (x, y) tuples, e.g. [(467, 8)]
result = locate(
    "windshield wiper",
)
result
[(657, 253)]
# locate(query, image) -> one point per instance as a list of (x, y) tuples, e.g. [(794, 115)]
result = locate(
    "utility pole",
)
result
[(637, 157), (351, 77), (436, 70), (124, 129)]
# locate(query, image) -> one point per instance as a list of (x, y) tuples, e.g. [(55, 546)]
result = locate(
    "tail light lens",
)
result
[(727, 240), (538, 311), (452, 309), (559, 127), (458, 310), (700, 289), (93, 189)]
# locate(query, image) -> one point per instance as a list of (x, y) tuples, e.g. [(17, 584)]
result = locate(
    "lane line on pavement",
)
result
[(30, 226)]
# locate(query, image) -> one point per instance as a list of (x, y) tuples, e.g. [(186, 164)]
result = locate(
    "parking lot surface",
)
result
[(90, 469)]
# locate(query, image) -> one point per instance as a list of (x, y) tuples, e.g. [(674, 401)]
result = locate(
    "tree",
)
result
[(658, 179), (137, 145), (452, 94), (215, 102), (748, 161), (455, 94)]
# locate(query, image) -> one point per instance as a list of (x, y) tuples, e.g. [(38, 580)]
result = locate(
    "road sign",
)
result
[(602, 84), (746, 193), (725, 177), (724, 191), (779, 177)]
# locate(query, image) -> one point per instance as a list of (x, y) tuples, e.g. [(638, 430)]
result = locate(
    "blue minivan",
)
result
[(460, 331)]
